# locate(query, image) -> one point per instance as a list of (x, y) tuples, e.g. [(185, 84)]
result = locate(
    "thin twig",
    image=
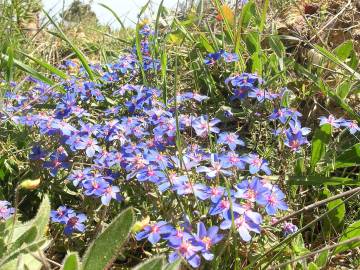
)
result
[(331, 20), (314, 205), (354, 239)]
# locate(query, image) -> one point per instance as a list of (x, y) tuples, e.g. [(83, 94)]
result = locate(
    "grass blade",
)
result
[(47, 66), (78, 53), (114, 14), (29, 70)]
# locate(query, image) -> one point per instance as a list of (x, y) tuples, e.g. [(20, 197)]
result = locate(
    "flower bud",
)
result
[(30, 184), (139, 225)]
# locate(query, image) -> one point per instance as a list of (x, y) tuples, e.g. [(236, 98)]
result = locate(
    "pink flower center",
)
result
[(184, 247), (72, 221), (239, 221), (215, 191), (155, 229), (257, 162), (95, 185), (271, 199), (225, 204), (230, 138), (207, 241), (251, 194), (295, 144)]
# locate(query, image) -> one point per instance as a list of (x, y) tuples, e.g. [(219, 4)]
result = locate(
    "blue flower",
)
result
[(244, 221), (211, 58), (75, 223), (294, 141), (230, 57), (37, 153), (203, 126), (331, 120), (111, 192), (351, 125), (273, 200), (61, 215), (5, 210), (256, 164), (208, 238), (222, 206), (230, 139), (250, 190), (187, 249), (154, 232), (217, 167), (57, 161), (289, 228), (95, 187)]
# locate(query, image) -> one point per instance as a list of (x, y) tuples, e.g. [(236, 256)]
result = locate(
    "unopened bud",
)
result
[(30, 184)]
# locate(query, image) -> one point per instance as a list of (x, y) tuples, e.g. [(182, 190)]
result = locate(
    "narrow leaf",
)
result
[(336, 60), (317, 180), (352, 231), (29, 70), (25, 249), (349, 158), (318, 146), (71, 262), (26, 238), (322, 258), (41, 219), (47, 66), (114, 14), (173, 266), (78, 53), (155, 263), (343, 51), (336, 214), (107, 245)]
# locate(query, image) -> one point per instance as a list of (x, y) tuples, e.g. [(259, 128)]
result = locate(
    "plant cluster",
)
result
[(209, 173)]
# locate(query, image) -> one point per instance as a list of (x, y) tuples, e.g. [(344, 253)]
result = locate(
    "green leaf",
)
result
[(349, 158), (352, 231), (26, 238), (25, 249), (322, 258), (318, 146), (11, 265), (336, 60), (28, 262), (105, 247), (312, 266), (206, 43), (286, 97), (40, 221), (298, 245), (247, 12), (335, 217), (252, 41), (10, 63), (42, 217), (155, 263), (71, 262), (2, 247), (343, 89), (317, 180), (173, 266), (344, 50), (139, 53)]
